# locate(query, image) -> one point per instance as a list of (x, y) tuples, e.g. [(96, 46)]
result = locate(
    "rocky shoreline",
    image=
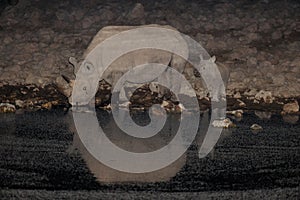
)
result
[(20, 98), (257, 40)]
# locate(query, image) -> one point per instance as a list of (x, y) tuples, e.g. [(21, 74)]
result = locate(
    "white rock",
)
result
[(236, 113), (237, 95), (265, 95), (19, 103), (241, 103), (256, 127), (292, 107), (7, 108), (225, 123)]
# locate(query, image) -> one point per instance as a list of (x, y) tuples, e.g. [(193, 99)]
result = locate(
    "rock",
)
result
[(241, 103), (15, 69), (204, 38), (235, 85), (19, 103), (216, 45), (236, 113), (51, 62), (225, 123), (87, 22), (6, 77), (7, 108), (107, 15), (253, 37), (178, 24), (290, 108), (264, 27), (243, 52), (251, 62), (137, 13), (46, 35), (265, 95), (237, 95), (208, 27), (296, 64), (47, 105), (256, 127), (250, 93), (252, 28), (265, 66), (7, 40), (62, 15), (276, 35), (294, 46), (30, 47), (278, 79), (178, 108), (37, 79), (237, 76)]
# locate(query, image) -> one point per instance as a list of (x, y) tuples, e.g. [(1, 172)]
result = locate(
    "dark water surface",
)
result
[(40, 156)]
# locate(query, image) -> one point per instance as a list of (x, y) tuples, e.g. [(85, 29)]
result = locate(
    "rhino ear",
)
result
[(213, 59), (75, 64), (73, 61)]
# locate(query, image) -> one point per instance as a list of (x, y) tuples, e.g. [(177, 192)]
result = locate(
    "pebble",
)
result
[(241, 103), (265, 95), (236, 113), (137, 13), (256, 127), (19, 103), (290, 108), (225, 123), (47, 105), (7, 108), (237, 95)]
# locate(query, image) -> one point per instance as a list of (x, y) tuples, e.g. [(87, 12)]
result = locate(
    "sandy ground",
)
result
[(257, 40)]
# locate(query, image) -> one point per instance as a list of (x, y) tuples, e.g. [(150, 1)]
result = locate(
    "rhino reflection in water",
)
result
[(106, 174), (205, 143)]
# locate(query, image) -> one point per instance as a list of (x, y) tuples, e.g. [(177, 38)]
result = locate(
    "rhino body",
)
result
[(129, 61)]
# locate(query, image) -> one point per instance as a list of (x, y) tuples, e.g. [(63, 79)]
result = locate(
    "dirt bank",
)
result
[(257, 40)]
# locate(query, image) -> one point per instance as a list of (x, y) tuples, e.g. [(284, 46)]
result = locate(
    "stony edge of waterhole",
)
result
[(30, 97)]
